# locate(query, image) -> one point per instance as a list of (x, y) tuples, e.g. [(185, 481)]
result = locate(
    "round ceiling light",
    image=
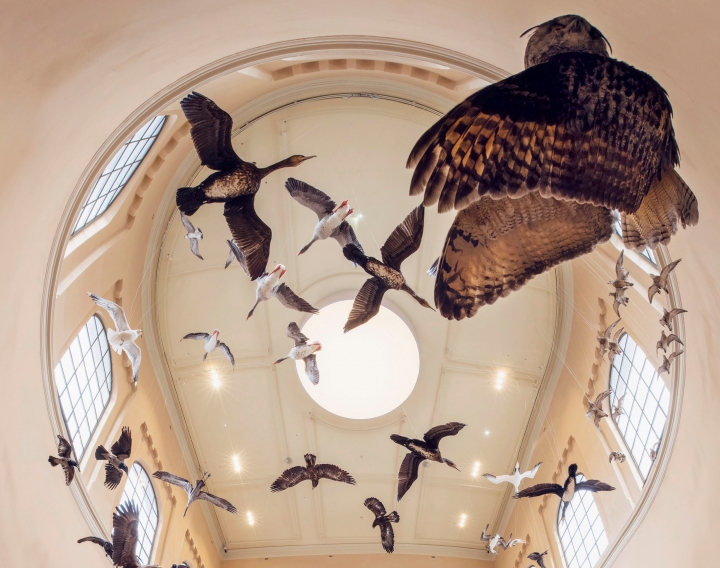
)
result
[(364, 373)]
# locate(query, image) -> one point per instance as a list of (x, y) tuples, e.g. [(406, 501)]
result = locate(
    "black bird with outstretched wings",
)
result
[(383, 520), (294, 475)]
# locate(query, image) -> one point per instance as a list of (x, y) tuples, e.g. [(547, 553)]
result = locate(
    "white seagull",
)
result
[(304, 350), (498, 540), (122, 338), (268, 285), (193, 234), (212, 343), (515, 478)]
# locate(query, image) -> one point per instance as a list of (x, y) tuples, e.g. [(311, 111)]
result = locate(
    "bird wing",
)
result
[(562, 127), (366, 304), (497, 478), (218, 502), (618, 334), (194, 248), (541, 489), (225, 349), (126, 521), (433, 270), (387, 536), (620, 272), (496, 246), (291, 300), (654, 289), (202, 336), (310, 197), (211, 132), (593, 485), (94, 539), (311, 369), (602, 396), (289, 478), (123, 446), (64, 447), (330, 471), (672, 337), (250, 234), (608, 331), (174, 480), (668, 268), (186, 223), (294, 333), (237, 254), (675, 312), (408, 473), (374, 504), (345, 235), (434, 435), (135, 355), (113, 476), (405, 239), (69, 473), (673, 355), (530, 474), (515, 542), (116, 312)]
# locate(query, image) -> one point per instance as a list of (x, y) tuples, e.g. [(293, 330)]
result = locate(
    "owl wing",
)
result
[(579, 126), (496, 245)]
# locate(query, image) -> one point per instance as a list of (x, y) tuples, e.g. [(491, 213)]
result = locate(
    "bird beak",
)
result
[(305, 158), (282, 273)]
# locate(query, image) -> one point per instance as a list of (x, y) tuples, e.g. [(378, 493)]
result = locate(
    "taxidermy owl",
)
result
[(537, 163)]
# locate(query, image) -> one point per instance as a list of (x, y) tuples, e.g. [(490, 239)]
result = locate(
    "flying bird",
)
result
[(560, 129), (667, 361), (386, 275), (619, 299), (331, 217), (269, 286), (125, 535), (666, 340), (235, 182), (595, 411), (106, 546), (660, 281), (667, 318), (617, 410), (211, 343), (193, 234), (616, 456), (294, 475), (119, 452), (67, 463), (538, 557), (196, 492), (382, 520), (515, 478), (236, 254), (122, 338), (609, 341), (621, 275), (655, 450), (498, 540), (304, 350), (567, 491), (181, 565), (420, 450)]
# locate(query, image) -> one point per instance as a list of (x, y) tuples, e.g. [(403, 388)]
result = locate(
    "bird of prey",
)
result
[(515, 478), (667, 318), (609, 342), (560, 129), (660, 281), (619, 299), (304, 350), (386, 275), (666, 340), (193, 234), (595, 411), (617, 410), (125, 535), (538, 557), (235, 182), (268, 286), (567, 491), (119, 452), (616, 456), (196, 492), (122, 338), (236, 254), (64, 459), (212, 343), (106, 546), (420, 450), (383, 520), (621, 275), (667, 361), (498, 540), (331, 217), (294, 475)]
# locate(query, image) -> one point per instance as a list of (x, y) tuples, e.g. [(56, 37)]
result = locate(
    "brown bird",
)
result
[(294, 475), (609, 342), (616, 456), (386, 275), (119, 452), (667, 361), (595, 410), (668, 317), (619, 299), (235, 182), (195, 492), (125, 535), (621, 275), (560, 128), (665, 341), (67, 463), (383, 520), (106, 546), (660, 280)]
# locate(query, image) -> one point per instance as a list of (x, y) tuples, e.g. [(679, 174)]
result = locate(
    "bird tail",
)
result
[(189, 199), (54, 461), (307, 246), (668, 203), (393, 517), (402, 440), (100, 453), (354, 254)]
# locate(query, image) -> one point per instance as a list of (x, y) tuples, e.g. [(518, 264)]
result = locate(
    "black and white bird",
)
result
[(667, 361), (269, 286), (212, 343), (538, 557), (312, 472), (106, 546), (616, 456), (622, 276), (235, 182), (421, 450), (386, 275), (193, 235), (236, 254), (666, 340), (195, 492), (122, 338), (567, 491), (383, 520), (617, 410), (331, 217), (119, 452), (668, 317), (498, 540), (515, 478), (305, 350), (126, 536), (65, 460), (595, 411), (660, 281), (609, 341)]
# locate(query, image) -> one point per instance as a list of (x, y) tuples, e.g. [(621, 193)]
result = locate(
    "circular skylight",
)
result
[(366, 372)]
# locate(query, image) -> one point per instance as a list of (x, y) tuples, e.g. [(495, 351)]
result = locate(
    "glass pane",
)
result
[(139, 490), (582, 534)]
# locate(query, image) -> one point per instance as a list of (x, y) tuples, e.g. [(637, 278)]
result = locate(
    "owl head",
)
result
[(562, 35)]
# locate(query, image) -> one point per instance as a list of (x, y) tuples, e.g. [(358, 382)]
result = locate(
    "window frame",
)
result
[(127, 498)]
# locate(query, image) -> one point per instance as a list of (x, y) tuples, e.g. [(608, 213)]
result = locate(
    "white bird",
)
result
[(304, 350), (617, 410), (268, 285), (665, 341), (667, 361), (660, 281), (122, 338), (212, 343), (515, 478), (498, 540), (236, 254), (609, 342), (193, 234)]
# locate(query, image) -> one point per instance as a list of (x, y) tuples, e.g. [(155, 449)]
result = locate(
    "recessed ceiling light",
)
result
[(250, 518), (487, 432), (476, 469), (236, 463), (463, 519), (215, 379), (500, 380)]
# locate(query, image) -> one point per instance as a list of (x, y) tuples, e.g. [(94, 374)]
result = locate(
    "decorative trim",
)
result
[(193, 549), (521, 552), (147, 438)]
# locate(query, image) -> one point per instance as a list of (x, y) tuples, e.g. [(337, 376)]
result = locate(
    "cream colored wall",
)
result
[(358, 561)]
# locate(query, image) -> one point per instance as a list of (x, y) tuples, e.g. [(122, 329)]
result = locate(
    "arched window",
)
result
[(83, 379), (139, 490), (582, 535), (118, 172), (645, 405)]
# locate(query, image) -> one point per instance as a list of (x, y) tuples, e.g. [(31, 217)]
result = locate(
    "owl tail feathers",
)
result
[(668, 203)]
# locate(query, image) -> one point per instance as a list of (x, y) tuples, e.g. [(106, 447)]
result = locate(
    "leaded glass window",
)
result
[(139, 490)]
